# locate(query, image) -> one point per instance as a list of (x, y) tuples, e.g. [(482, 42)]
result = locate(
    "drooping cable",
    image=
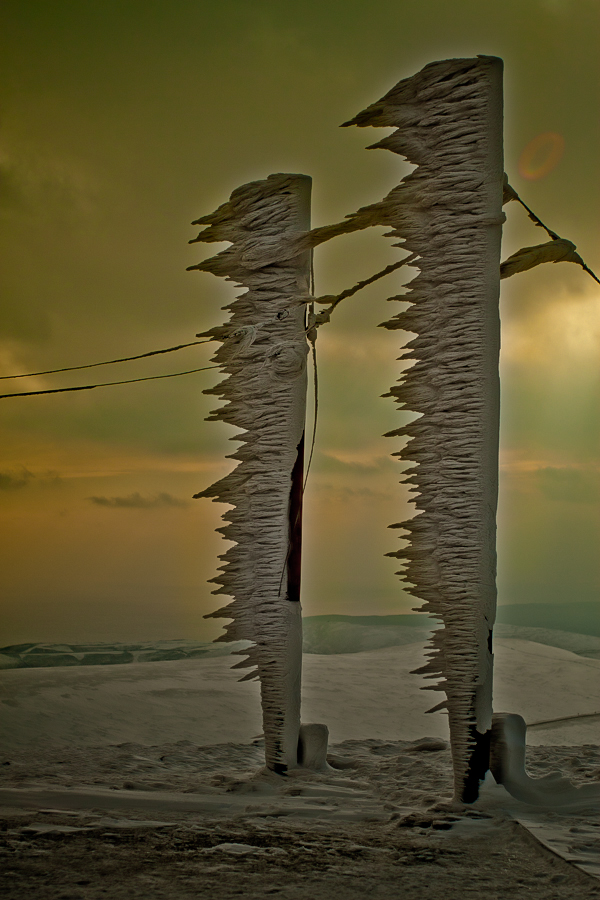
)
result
[(107, 362), (90, 387), (511, 194), (334, 299)]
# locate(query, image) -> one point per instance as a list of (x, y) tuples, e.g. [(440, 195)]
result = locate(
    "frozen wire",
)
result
[(90, 387), (107, 362), (549, 232)]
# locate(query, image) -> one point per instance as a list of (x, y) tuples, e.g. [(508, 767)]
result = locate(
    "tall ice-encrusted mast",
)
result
[(448, 120), (263, 351)]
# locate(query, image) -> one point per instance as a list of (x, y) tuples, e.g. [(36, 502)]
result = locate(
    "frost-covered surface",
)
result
[(379, 823), (263, 351), (448, 210), (356, 694)]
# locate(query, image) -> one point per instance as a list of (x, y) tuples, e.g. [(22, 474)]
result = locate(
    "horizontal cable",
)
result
[(90, 387), (107, 362), (593, 715)]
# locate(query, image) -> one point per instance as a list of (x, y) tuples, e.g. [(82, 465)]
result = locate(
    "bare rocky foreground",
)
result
[(379, 824), (256, 859), (123, 781)]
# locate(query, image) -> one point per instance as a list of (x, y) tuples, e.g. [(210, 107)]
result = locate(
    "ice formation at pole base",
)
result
[(448, 120), (263, 350), (507, 764)]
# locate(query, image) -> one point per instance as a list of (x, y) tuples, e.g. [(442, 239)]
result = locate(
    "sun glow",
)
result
[(541, 155)]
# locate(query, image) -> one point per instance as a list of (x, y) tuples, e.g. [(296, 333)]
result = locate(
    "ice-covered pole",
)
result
[(263, 351), (449, 211)]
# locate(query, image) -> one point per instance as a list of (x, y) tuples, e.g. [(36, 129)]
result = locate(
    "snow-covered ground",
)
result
[(358, 695), (92, 754)]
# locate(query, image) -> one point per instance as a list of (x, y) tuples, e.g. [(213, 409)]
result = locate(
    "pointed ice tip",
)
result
[(437, 708), (205, 220)]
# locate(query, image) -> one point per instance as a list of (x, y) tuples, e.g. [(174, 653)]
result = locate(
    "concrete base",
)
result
[(312, 747)]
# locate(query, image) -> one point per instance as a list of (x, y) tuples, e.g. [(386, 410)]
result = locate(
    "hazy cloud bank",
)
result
[(136, 501), (11, 480)]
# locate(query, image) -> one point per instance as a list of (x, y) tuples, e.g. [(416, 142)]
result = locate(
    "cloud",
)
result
[(36, 181), (369, 350), (569, 484), (558, 330), (344, 492), (362, 460), (136, 501), (11, 481)]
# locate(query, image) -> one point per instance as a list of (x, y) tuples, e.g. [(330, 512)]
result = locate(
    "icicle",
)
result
[(558, 250), (449, 211), (264, 350)]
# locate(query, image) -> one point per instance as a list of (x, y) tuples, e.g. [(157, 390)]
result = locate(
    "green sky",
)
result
[(122, 122)]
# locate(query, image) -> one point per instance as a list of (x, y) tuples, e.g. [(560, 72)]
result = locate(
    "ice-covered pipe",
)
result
[(263, 351), (507, 764), (448, 120)]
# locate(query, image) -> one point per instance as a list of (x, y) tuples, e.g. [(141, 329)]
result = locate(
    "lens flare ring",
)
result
[(541, 155)]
